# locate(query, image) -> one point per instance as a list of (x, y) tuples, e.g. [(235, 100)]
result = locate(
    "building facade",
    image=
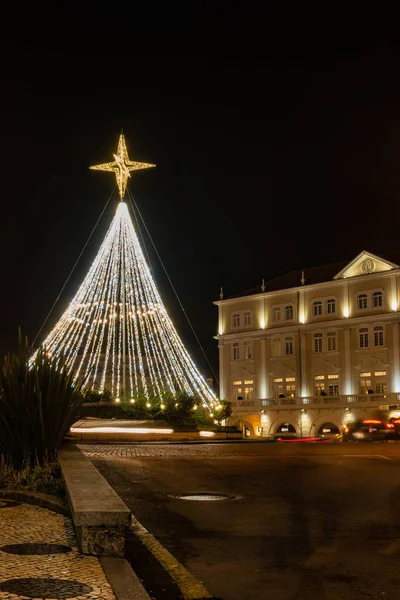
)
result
[(313, 347)]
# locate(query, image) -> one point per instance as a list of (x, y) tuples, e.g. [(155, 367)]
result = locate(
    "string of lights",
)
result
[(116, 333)]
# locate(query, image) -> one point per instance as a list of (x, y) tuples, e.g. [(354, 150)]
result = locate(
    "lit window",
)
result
[(291, 389), (380, 373), (362, 301), (363, 337), (278, 387), (247, 350), (248, 382), (331, 306), (365, 374), (248, 393), (247, 318), (319, 387), (365, 385), (333, 376), (288, 346), (378, 335), (331, 341), (317, 308), (318, 342), (319, 377), (290, 386), (288, 313), (237, 393), (276, 314), (276, 347), (236, 351), (236, 319), (377, 299)]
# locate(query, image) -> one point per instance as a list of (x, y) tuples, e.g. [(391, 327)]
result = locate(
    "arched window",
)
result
[(378, 335), (317, 308), (377, 299), (362, 301), (317, 342), (247, 350), (363, 337), (288, 312), (288, 346), (331, 306), (331, 335)]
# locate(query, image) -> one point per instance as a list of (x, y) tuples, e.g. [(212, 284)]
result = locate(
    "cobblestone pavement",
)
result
[(240, 449), (39, 557), (217, 450)]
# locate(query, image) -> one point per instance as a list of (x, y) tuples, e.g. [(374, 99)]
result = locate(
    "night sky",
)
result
[(276, 138)]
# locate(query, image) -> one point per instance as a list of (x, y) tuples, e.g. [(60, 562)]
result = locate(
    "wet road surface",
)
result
[(305, 522)]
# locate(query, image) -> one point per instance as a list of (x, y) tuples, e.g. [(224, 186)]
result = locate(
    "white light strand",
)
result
[(90, 333)]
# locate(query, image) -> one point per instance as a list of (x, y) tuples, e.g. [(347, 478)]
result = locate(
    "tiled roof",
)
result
[(311, 275)]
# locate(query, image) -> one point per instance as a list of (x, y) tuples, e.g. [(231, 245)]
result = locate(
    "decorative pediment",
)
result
[(282, 369), (242, 372), (364, 264), (372, 363), (321, 365)]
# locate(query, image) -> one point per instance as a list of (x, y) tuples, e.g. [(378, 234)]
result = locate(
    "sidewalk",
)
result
[(40, 558)]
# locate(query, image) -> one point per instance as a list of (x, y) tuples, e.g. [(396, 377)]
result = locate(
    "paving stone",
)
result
[(200, 451), (69, 575)]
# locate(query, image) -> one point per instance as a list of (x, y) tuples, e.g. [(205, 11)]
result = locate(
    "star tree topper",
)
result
[(122, 166)]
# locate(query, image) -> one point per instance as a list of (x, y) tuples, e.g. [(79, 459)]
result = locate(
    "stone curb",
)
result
[(53, 503), (125, 584)]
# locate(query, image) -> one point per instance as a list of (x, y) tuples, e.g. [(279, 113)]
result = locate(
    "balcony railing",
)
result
[(318, 401)]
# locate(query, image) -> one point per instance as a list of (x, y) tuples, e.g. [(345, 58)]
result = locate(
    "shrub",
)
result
[(38, 403), (45, 478), (180, 410), (92, 396), (223, 413)]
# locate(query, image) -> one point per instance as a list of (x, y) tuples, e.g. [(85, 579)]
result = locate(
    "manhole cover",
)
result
[(8, 503), (39, 587), (204, 497), (36, 549)]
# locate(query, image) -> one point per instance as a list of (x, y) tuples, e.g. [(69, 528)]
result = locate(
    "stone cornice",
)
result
[(314, 286)]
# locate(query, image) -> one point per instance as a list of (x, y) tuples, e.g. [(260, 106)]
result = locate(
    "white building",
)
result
[(313, 347)]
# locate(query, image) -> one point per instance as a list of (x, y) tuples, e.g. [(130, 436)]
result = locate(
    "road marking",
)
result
[(366, 456), (317, 456), (190, 587)]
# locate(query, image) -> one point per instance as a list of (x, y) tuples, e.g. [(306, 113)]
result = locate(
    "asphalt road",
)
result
[(308, 522)]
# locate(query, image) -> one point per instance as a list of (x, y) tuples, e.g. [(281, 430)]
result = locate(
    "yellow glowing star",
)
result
[(122, 166)]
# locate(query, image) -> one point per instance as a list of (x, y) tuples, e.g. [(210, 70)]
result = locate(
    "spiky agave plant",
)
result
[(38, 403)]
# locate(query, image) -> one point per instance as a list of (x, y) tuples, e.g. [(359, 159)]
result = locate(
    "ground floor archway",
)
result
[(328, 429), (285, 429), (327, 425), (282, 427)]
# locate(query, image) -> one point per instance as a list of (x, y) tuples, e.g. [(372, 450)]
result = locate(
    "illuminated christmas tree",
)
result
[(116, 333)]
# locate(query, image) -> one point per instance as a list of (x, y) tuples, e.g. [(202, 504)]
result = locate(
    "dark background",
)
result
[(276, 135)]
